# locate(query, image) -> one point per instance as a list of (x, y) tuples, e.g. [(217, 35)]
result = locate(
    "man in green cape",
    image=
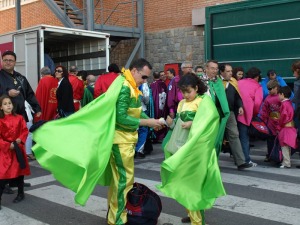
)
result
[(96, 144), (217, 93), (192, 176)]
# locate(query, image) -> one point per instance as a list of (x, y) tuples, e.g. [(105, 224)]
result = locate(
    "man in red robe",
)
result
[(104, 81), (46, 94), (77, 85)]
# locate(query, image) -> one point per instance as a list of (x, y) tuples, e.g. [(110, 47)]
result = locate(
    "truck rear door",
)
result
[(27, 50)]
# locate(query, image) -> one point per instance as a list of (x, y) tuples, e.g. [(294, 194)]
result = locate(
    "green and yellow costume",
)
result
[(193, 170), (109, 127)]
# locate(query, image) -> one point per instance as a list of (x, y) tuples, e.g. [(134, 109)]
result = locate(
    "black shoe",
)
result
[(244, 166), (8, 190), (27, 184), (298, 167), (19, 198), (186, 220), (139, 155)]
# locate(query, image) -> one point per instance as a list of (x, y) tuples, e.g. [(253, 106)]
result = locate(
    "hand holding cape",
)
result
[(77, 149)]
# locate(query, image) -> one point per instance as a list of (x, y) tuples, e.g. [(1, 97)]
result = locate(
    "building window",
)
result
[(8, 4)]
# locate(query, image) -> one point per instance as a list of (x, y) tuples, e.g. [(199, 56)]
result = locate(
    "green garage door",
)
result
[(261, 33)]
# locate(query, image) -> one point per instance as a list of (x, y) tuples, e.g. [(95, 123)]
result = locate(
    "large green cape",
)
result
[(192, 176), (223, 109), (77, 149)]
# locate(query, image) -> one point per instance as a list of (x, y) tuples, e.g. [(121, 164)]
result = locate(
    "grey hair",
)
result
[(186, 63), (73, 69), (45, 70)]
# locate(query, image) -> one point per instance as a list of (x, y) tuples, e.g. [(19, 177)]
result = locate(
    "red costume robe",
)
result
[(11, 128), (46, 96), (78, 90), (270, 112), (287, 135), (103, 83)]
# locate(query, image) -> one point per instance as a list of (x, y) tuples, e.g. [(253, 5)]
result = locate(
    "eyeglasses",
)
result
[(144, 77), (187, 67), (8, 60), (58, 71), (270, 89)]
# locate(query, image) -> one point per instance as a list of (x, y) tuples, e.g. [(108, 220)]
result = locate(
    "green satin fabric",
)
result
[(128, 110), (192, 176), (223, 109), (77, 149)]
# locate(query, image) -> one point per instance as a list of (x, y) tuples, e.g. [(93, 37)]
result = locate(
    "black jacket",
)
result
[(26, 93), (233, 98), (64, 95)]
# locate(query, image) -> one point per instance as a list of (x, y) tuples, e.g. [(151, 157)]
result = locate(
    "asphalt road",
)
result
[(264, 195)]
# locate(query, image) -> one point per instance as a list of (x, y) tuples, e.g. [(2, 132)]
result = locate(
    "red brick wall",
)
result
[(31, 14), (168, 14), (159, 15)]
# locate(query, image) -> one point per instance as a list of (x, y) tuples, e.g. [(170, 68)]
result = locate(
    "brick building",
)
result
[(169, 33)]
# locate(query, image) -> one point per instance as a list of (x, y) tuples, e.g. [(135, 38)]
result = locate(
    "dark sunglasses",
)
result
[(270, 89), (144, 77), (58, 71)]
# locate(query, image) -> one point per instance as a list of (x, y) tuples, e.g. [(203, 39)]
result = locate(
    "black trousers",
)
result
[(15, 182)]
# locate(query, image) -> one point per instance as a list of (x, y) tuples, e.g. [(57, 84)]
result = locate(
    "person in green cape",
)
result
[(217, 93), (193, 169), (109, 127)]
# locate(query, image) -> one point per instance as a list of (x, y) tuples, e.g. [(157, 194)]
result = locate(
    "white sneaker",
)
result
[(253, 164), (284, 167)]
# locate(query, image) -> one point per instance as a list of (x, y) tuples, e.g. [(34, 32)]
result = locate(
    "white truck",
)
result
[(88, 50)]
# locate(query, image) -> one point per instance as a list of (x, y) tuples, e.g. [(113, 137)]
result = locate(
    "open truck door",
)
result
[(27, 50)]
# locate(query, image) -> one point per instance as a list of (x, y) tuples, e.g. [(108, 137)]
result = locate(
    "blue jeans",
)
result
[(142, 137), (244, 138)]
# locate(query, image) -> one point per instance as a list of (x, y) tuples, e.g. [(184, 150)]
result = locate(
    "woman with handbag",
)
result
[(190, 152)]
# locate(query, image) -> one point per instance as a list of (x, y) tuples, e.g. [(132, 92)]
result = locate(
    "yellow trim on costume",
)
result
[(130, 79), (189, 106)]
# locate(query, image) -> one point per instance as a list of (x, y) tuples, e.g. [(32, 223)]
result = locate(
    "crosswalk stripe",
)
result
[(272, 185), (268, 211), (264, 210), (292, 172), (95, 205), (8, 216)]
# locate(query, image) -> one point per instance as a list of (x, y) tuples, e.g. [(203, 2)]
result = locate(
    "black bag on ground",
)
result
[(143, 206), (259, 129)]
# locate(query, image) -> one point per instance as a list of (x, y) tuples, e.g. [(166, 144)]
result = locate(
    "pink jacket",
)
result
[(252, 96)]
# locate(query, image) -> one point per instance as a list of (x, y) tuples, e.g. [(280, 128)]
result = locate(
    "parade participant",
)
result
[(13, 134), (238, 73), (271, 75), (17, 86), (77, 86), (193, 168), (236, 108), (159, 93), (270, 114), (110, 124), (174, 94), (217, 93), (105, 80), (64, 93), (88, 95), (252, 96), (46, 94), (287, 134)]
